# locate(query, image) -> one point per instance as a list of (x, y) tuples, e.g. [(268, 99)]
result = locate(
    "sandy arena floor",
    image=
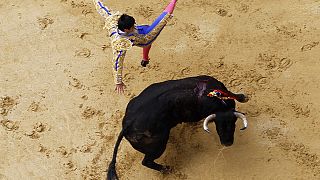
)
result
[(60, 116)]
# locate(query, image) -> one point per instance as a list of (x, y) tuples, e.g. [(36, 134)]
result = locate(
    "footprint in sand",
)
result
[(284, 30), (221, 12), (262, 81), (253, 112), (106, 46), (85, 53), (3, 111), (192, 31), (90, 112), (70, 166), (35, 107), (82, 35), (44, 22), (86, 11), (117, 115), (75, 83), (77, 4), (84, 97), (272, 133), (44, 150), (10, 125), (267, 61), (235, 82), (38, 128), (115, 118), (301, 111), (185, 71), (284, 64), (270, 62), (263, 57), (86, 8), (308, 47), (171, 75), (62, 151), (87, 148), (6, 104), (271, 65)]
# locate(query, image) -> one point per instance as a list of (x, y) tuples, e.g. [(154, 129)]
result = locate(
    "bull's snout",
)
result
[(227, 144)]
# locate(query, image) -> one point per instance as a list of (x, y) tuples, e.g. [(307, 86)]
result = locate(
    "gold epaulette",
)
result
[(121, 44)]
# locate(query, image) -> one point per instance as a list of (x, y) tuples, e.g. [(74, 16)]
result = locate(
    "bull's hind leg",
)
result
[(153, 151), (152, 145), (149, 162)]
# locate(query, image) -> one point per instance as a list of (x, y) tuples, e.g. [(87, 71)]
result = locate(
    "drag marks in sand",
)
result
[(297, 151)]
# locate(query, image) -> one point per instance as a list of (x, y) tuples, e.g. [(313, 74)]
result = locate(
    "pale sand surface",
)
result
[(60, 116)]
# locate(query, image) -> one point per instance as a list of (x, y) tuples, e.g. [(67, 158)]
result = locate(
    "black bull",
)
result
[(150, 116)]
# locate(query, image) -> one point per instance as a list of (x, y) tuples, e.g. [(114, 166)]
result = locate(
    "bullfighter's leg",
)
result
[(145, 55), (101, 8), (145, 29)]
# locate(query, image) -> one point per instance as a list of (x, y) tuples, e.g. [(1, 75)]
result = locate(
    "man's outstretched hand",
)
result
[(120, 88)]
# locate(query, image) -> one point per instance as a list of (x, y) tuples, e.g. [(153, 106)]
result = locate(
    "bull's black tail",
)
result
[(112, 174), (239, 97)]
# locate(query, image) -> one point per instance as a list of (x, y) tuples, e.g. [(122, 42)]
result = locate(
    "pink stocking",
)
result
[(169, 9)]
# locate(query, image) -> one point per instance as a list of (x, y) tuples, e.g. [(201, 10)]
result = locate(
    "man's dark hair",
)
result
[(125, 22)]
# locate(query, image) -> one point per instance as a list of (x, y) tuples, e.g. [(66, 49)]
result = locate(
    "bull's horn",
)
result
[(244, 119), (206, 122)]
